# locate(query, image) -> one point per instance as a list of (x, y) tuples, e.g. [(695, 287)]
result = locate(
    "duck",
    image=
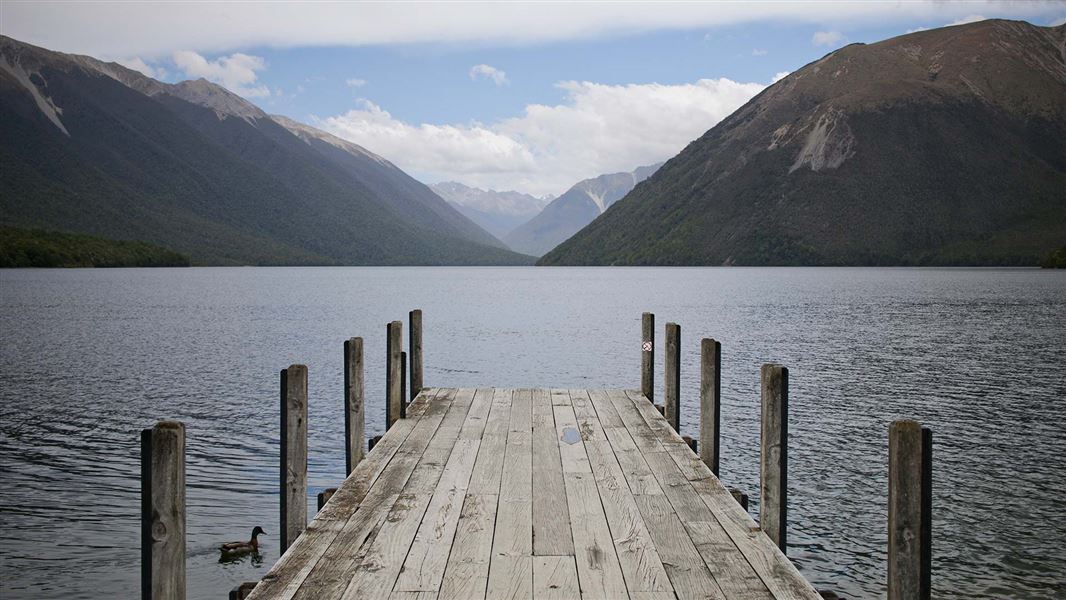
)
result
[(241, 548)]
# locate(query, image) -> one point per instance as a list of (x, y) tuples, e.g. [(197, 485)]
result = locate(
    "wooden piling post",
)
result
[(647, 356), (163, 511), (414, 322), (672, 386), (403, 385), (293, 454), (740, 497), (710, 402), (393, 379), (372, 442), (324, 496), (773, 455), (354, 396), (910, 460), (242, 591)]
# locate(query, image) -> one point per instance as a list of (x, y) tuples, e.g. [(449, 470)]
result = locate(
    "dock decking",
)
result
[(498, 493)]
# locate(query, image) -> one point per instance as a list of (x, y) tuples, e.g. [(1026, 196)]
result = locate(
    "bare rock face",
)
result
[(938, 147)]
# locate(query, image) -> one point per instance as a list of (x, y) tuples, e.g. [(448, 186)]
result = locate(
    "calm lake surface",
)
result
[(90, 357)]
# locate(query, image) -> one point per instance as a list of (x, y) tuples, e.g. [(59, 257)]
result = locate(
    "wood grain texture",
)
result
[(354, 399), (163, 511), (773, 454), (909, 458), (394, 399), (672, 383), (293, 481), (551, 520), (414, 322), (555, 578), (528, 494), (647, 356), (710, 402)]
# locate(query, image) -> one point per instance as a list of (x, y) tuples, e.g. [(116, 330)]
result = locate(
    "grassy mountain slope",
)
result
[(95, 148), (939, 147)]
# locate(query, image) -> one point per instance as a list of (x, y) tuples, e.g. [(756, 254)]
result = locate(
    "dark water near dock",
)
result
[(89, 357)]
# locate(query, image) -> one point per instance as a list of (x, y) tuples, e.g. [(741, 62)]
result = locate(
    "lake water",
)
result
[(90, 357)]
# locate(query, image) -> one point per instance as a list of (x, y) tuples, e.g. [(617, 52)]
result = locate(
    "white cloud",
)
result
[(355, 82), (144, 68), (237, 72), (966, 19), (488, 72), (757, 52), (597, 129), (1057, 22), (827, 38), (780, 76), (155, 29), (917, 29)]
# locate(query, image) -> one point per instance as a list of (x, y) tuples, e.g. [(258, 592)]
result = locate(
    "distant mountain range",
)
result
[(497, 212), (567, 214), (941, 147), (95, 148)]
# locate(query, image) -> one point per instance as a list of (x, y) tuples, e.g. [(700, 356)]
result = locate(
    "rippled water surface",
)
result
[(90, 357)]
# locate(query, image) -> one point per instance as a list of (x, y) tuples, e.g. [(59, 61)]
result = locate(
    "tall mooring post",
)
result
[(910, 466), (354, 396), (710, 402), (672, 385), (163, 512), (293, 454), (647, 356), (414, 326), (393, 373), (773, 454)]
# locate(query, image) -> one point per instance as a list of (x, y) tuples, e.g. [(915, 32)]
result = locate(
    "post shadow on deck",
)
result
[(163, 511)]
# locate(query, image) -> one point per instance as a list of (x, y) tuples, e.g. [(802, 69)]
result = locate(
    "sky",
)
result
[(525, 96)]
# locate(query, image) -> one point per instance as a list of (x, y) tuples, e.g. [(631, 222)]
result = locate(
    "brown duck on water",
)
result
[(233, 549)]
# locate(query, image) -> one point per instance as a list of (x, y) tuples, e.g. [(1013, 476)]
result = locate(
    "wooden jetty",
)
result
[(499, 493), (532, 493)]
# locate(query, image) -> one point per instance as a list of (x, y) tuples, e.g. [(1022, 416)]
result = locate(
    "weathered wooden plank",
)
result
[(467, 574), (510, 577), (324, 497), (909, 510), (672, 383), (776, 571), (637, 556), (551, 521), (647, 356), (522, 411), (516, 498), (293, 479), (474, 427), (354, 398), (413, 596), (597, 562), (423, 568), (688, 573), (489, 466), (725, 561), (773, 454), (414, 321), (163, 511), (555, 578), (710, 402), (588, 422), (379, 567), (328, 578), (663, 435), (605, 411), (571, 450)]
